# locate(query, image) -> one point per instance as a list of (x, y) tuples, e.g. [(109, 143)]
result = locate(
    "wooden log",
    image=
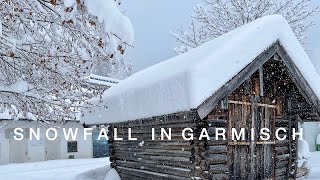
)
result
[(157, 130), (216, 122), (217, 159), (154, 152), (219, 169), (178, 162), (282, 120), (281, 171), (150, 143), (158, 157), (217, 142), (183, 146), (188, 165), (148, 174), (185, 172), (149, 127), (282, 150), (129, 176), (219, 149), (282, 143), (282, 157), (219, 176), (212, 131), (283, 177), (131, 148), (281, 164), (177, 118)]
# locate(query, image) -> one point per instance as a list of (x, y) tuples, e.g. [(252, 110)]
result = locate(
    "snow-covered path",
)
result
[(315, 167), (56, 170)]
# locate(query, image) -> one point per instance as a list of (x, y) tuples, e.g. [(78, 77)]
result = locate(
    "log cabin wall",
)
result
[(286, 151), (158, 159), (216, 155)]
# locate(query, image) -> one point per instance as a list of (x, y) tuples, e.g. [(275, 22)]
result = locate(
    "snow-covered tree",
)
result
[(119, 69), (48, 49), (213, 18)]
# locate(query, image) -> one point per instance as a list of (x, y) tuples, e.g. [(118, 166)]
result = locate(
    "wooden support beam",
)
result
[(224, 103), (249, 104), (298, 78), (261, 81)]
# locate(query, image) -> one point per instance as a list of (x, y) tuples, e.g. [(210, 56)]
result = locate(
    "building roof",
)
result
[(5, 114), (186, 81), (103, 81)]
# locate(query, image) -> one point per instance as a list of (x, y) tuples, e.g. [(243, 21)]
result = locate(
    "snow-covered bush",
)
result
[(48, 49), (303, 153)]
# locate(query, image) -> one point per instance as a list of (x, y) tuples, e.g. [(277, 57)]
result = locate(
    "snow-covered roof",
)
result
[(103, 81), (186, 81)]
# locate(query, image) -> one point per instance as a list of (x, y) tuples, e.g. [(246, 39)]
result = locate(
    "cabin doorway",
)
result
[(53, 149), (251, 158)]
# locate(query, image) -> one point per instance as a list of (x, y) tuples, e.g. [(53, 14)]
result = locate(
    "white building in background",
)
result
[(310, 133), (26, 150)]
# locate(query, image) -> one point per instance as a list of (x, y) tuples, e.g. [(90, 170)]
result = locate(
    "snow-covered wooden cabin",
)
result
[(256, 76)]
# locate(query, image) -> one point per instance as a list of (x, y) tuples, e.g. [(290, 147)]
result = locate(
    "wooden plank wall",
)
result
[(286, 150), (148, 159), (216, 158)]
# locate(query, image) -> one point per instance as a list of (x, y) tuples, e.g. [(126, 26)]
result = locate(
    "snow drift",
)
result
[(112, 175), (303, 152)]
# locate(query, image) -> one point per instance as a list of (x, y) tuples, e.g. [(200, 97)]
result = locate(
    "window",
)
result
[(72, 146)]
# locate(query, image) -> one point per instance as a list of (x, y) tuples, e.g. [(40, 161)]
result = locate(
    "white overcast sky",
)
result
[(153, 20)]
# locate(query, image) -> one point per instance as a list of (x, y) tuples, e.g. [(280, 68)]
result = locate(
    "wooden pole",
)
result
[(253, 140), (261, 80)]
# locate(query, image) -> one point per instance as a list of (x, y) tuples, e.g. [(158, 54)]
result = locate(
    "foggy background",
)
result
[(153, 20)]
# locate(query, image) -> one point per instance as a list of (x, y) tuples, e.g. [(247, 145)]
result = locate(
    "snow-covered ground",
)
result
[(76, 169), (314, 164), (90, 169)]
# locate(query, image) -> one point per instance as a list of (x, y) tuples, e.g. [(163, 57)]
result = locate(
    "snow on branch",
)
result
[(48, 49), (212, 18)]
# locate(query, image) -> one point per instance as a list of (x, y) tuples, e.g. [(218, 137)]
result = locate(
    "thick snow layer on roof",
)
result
[(185, 81)]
